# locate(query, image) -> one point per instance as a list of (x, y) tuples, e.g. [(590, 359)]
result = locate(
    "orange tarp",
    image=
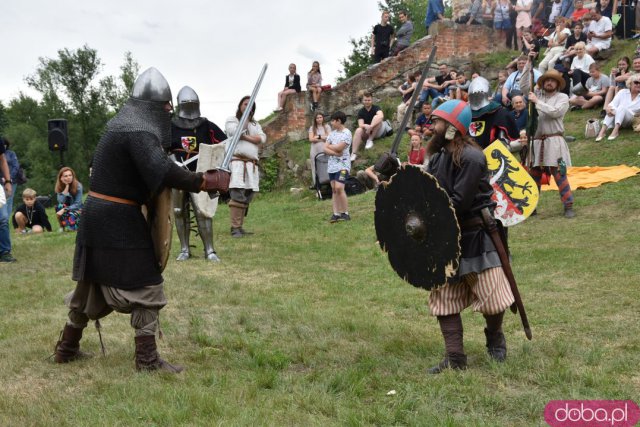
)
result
[(594, 176)]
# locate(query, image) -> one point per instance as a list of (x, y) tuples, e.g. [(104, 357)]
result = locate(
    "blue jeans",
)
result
[(431, 92), (567, 8), (5, 216)]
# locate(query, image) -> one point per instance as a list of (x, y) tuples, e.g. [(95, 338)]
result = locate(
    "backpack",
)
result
[(352, 186)]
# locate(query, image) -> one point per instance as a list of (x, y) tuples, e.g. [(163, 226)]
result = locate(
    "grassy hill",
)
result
[(305, 323)]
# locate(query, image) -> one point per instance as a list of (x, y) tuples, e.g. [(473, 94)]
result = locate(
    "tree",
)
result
[(359, 58), (72, 88)]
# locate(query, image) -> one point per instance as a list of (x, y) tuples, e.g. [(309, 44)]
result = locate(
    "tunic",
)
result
[(551, 111)]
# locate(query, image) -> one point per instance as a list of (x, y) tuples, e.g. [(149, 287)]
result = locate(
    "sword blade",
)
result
[(231, 145)]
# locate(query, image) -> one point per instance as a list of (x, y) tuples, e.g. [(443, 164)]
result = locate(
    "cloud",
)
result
[(310, 54)]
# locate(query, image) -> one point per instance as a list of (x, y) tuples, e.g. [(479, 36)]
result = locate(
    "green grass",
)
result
[(305, 323)]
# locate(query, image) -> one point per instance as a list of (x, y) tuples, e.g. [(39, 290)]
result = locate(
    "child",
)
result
[(339, 165), (417, 151), (30, 214), (423, 123)]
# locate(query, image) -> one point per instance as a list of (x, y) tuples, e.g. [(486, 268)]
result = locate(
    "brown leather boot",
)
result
[(68, 346), (148, 359)]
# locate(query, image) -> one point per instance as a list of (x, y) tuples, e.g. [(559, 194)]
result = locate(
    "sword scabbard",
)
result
[(492, 229)]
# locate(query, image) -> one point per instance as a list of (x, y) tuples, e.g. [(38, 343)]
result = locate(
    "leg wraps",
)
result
[(451, 328), (563, 187), (144, 321)]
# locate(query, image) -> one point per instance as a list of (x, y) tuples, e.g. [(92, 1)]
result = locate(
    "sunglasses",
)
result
[(636, 82)]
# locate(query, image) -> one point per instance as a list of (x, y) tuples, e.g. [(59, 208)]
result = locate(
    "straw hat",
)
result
[(552, 74)]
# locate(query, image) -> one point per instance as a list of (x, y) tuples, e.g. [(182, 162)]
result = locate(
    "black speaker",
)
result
[(58, 137)]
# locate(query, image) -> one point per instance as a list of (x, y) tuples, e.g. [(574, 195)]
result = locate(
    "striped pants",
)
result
[(488, 292), (561, 181)]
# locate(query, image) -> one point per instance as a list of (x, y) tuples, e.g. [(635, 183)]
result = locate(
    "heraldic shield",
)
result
[(416, 225), (514, 190)]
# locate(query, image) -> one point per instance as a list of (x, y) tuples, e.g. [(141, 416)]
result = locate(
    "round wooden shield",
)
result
[(416, 225)]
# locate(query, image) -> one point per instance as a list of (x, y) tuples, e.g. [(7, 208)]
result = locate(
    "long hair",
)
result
[(73, 187), (458, 143), (627, 61), (253, 109), (311, 70), (315, 123)]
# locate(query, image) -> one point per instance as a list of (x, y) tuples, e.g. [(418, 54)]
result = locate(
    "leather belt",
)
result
[(113, 199)]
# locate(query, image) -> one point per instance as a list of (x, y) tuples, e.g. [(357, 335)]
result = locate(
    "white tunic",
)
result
[(244, 163), (548, 149)]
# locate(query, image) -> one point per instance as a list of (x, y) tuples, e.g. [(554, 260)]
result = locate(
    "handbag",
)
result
[(592, 128)]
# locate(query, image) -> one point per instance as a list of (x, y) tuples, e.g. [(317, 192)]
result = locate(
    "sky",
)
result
[(216, 47)]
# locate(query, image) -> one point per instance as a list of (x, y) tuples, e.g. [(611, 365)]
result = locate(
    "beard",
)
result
[(436, 143)]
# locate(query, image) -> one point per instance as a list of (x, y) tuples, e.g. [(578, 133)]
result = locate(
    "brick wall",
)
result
[(454, 42)]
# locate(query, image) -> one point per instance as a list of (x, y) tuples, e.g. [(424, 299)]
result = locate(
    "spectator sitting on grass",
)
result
[(370, 125), (577, 36), (600, 33), (461, 87), (30, 216), (618, 78), (69, 196), (519, 111), (416, 151), (624, 107), (597, 86), (406, 89), (423, 123)]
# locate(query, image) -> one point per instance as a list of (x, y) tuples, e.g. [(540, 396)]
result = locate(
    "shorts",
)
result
[(488, 292), (340, 176)]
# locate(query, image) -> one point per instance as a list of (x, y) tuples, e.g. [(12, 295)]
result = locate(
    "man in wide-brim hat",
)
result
[(550, 152)]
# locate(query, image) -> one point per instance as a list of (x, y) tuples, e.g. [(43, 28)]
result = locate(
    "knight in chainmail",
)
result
[(491, 120), (115, 265), (188, 131)]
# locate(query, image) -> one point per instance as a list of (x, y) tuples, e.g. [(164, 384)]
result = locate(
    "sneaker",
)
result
[(345, 217), (354, 156), (334, 218), (569, 213), (6, 257), (368, 145)]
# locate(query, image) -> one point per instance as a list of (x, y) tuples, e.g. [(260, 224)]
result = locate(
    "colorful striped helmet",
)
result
[(455, 112)]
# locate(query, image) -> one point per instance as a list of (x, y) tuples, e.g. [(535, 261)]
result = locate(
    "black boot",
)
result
[(496, 342), (148, 359), (496, 345), (68, 346), (451, 361)]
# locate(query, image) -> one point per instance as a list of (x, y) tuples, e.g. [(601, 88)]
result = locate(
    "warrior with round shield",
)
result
[(460, 167), (117, 264), (189, 131)]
